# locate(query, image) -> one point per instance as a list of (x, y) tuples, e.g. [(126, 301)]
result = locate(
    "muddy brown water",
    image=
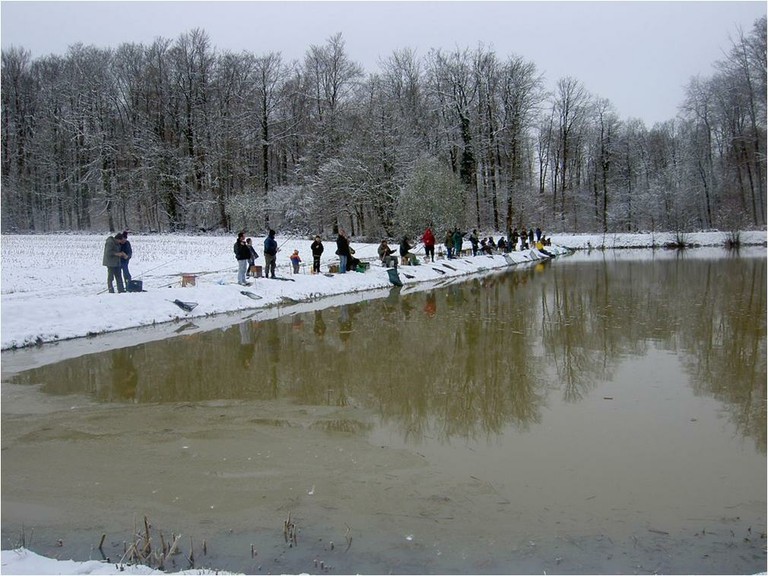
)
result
[(603, 413)]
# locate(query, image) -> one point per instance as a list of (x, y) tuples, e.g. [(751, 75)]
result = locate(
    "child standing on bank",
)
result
[(295, 261)]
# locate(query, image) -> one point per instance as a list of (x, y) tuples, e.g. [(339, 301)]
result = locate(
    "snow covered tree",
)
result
[(170, 135), (433, 195), (330, 78), (571, 110)]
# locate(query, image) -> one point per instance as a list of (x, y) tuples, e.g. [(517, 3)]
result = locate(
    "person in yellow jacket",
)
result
[(540, 247)]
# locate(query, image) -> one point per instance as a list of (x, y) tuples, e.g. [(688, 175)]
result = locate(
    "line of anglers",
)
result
[(118, 252), (454, 242), (246, 255), (516, 240)]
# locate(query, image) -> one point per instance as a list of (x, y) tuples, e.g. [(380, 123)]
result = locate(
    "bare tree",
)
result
[(172, 135), (454, 87), (18, 113), (331, 77), (572, 107), (521, 97)]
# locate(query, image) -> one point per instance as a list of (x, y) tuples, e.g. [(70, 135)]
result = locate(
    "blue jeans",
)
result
[(342, 264), (124, 268), (242, 266)]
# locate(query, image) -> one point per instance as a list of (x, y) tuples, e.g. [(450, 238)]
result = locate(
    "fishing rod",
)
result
[(156, 267), (198, 274), (285, 242)]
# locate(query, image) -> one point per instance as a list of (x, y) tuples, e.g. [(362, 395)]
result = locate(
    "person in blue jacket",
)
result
[(128, 251), (270, 255)]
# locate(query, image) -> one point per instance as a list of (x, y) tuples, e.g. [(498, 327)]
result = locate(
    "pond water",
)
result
[(601, 413)]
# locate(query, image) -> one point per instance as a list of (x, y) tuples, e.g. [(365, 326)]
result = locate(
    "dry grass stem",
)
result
[(290, 533), (348, 538)]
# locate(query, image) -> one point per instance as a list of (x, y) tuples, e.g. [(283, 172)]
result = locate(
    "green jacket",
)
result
[(111, 253)]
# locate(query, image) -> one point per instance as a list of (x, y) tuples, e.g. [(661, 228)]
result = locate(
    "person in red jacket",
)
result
[(429, 244)]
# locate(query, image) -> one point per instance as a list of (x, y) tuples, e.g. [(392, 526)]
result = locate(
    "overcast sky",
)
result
[(639, 55)]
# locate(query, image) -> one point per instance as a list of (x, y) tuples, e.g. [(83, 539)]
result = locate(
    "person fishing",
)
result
[(428, 239), (128, 251), (252, 258), (540, 243), (457, 239), (270, 255), (242, 255), (385, 255), (317, 251), (113, 253), (342, 250), (474, 241), (405, 247), (448, 242)]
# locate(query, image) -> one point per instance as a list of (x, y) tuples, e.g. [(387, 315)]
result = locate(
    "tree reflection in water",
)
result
[(483, 355)]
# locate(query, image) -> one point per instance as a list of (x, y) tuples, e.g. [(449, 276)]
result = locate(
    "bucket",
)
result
[(394, 277)]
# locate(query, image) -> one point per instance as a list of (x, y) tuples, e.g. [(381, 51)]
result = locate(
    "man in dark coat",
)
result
[(342, 250), (405, 248), (242, 255), (113, 253), (474, 241), (317, 251)]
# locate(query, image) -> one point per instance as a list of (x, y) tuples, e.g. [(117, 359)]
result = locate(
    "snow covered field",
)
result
[(54, 286)]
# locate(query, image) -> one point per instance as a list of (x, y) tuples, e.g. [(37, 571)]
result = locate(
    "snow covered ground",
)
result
[(54, 288), (23, 561)]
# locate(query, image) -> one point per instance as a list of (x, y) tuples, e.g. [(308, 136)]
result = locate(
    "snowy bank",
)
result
[(23, 561), (47, 300), (54, 286)]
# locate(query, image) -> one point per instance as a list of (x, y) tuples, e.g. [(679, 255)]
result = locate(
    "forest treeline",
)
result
[(177, 136)]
